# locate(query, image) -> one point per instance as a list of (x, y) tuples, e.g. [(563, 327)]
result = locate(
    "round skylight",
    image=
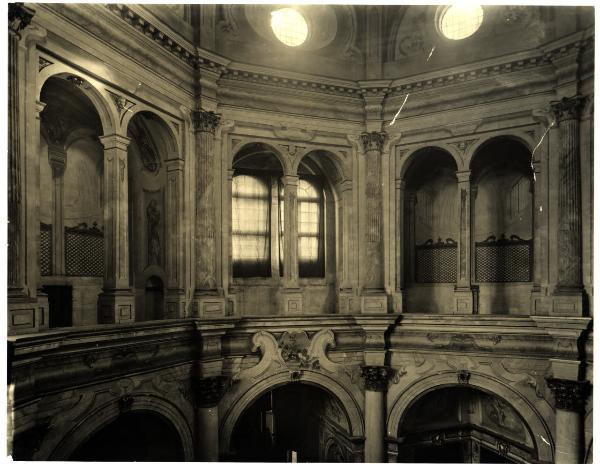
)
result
[(289, 26), (460, 21)]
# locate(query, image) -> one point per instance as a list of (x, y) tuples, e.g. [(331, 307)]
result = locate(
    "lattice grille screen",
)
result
[(45, 249), (503, 260), (435, 263), (84, 253)]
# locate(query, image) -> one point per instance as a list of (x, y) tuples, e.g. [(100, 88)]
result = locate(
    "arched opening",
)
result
[(319, 207), (463, 424), (256, 228), (133, 436), (503, 226), (431, 227), (296, 417), (71, 164), (150, 147), (154, 299)]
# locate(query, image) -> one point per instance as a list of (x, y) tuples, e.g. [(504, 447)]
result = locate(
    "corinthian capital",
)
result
[(373, 141), (569, 395), (19, 16), (376, 377), (206, 121), (567, 107)]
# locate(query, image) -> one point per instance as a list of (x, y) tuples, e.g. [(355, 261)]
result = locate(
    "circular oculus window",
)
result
[(289, 26), (460, 21)]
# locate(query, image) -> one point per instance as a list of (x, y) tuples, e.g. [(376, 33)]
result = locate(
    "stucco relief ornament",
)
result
[(569, 395), (376, 377), (19, 16), (153, 217), (206, 121), (372, 141), (567, 107), (294, 351)]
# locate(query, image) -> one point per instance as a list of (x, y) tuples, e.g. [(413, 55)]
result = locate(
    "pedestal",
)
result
[(291, 301), (209, 306), (116, 307), (465, 300)]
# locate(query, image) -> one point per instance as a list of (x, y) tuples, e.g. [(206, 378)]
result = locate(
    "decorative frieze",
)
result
[(569, 395), (376, 377)]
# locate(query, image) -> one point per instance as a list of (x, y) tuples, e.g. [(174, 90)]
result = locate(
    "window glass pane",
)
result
[(250, 227), (310, 230)]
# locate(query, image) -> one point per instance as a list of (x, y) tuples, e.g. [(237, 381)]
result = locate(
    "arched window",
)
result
[(251, 231), (310, 229)]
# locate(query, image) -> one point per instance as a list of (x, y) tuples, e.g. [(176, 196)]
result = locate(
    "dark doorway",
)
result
[(60, 303), (154, 299), (133, 436), (284, 420)]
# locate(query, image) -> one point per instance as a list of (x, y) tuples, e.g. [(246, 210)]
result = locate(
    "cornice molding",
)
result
[(204, 59)]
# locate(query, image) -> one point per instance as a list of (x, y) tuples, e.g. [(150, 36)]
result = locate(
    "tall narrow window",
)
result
[(251, 231), (310, 229)]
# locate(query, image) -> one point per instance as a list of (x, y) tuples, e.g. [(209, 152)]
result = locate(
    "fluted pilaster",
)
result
[(373, 236), (19, 17), (566, 112), (205, 125)]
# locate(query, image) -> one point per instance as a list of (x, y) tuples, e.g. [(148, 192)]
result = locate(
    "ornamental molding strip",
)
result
[(203, 59)]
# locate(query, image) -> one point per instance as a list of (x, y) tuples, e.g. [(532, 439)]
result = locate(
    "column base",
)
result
[(291, 301), (397, 301), (346, 301), (466, 300), (175, 304), (116, 307), (541, 303), (27, 315), (567, 302), (209, 306), (374, 303)]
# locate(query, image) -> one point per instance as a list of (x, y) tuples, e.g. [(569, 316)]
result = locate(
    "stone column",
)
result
[(116, 303), (209, 392), (57, 157), (208, 299), (465, 295), (374, 298), (290, 293), (175, 298), (569, 396), (376, 380), (568, 292)]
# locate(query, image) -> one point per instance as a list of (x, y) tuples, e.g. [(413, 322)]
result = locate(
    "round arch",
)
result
[(91, 90), (285, 164), (168, 137), (107, 412), (531, 416), (408, 160), (332, 158), (476, 148), (239, 405)]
